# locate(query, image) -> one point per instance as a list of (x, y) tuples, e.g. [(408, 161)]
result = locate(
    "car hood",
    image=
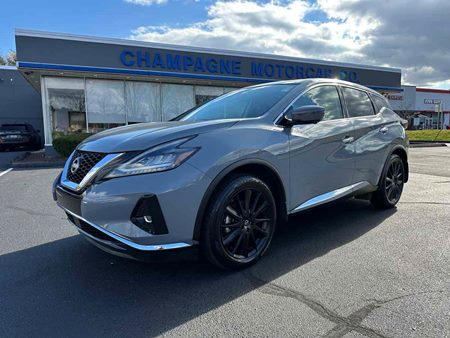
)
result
[(145, 135)]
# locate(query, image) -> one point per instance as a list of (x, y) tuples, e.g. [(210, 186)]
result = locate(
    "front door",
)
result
[(321, 154)]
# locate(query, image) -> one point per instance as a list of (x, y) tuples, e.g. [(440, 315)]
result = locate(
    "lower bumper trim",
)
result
[(159, 247)]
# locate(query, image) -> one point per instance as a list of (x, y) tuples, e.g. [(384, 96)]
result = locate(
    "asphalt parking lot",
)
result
[(344, 270)]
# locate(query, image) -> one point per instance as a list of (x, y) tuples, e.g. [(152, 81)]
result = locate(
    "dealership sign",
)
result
[(110, 56), (395, 97), (432, 101), (222, 65)]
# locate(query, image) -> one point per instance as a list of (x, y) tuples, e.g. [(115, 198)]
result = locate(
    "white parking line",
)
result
[(5, 172)]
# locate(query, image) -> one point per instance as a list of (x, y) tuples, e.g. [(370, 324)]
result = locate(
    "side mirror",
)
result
[(304, 115)]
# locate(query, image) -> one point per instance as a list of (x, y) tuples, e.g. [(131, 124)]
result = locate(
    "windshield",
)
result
[(245, 103)]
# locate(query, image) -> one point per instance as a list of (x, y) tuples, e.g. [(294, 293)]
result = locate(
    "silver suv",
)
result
[(223, 175)]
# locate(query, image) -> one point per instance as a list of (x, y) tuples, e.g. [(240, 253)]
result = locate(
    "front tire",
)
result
[(391, 184), (240, 223)]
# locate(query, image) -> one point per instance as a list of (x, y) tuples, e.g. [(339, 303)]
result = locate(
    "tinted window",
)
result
[(380, 102), (324, 96), (245, 103), (358, 102)]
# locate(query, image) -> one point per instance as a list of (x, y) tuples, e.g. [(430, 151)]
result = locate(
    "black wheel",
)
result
[(240, 223), (391, 184)]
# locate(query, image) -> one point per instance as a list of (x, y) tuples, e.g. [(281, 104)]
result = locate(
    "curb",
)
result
[(20, 164), (42, 165), (426, 144)]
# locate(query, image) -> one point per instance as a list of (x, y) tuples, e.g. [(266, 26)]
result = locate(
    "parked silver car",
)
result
[(224, 174)]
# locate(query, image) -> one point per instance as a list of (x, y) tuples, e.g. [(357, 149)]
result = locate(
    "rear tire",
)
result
[(239, 224), (390, 187)]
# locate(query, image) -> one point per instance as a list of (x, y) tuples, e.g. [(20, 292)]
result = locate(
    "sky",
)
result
[(411, 35)]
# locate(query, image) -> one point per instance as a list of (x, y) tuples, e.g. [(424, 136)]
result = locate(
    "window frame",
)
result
[(279, 119), (381, 97), (345, 101)]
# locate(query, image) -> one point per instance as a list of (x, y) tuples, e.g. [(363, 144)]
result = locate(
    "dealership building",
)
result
[(424, 107), (88, 84)]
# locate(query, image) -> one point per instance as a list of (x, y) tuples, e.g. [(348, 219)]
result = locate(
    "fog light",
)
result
[(148, 216)]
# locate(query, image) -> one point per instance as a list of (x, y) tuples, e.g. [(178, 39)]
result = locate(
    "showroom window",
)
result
[(204, 94), (75, 105), (142, 102), (105, 104), (176, 99), (65, 103)]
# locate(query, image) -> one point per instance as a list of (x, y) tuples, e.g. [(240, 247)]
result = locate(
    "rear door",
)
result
[(321, 154), (371, 135)]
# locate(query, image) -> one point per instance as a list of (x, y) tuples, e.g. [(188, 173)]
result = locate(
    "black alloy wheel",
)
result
[(241, 224), (394, 181), (246, 224), (391, 184)]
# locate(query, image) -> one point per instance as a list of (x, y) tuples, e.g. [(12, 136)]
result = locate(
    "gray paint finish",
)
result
[(19, 101), (312, 161)]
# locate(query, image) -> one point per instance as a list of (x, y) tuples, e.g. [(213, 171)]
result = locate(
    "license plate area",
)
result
[(68, 201)]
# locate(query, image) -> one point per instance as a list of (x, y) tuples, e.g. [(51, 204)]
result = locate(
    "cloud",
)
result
[(389, 33), (147, 2)]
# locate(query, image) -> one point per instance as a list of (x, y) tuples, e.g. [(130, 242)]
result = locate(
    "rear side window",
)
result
[(324, 96), (380, 102), (358, 102)]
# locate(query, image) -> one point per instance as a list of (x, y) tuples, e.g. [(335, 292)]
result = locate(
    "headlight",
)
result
[(163, 157)]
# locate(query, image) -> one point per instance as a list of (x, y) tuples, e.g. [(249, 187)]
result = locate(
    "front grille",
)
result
[(85, 161)]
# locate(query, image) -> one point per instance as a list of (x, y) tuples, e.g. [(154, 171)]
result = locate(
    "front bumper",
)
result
[(103, 212)]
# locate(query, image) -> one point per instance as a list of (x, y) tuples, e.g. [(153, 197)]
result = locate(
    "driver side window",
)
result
[(324, 96)]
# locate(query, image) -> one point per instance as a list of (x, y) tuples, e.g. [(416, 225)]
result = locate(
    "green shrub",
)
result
[(66, 144)]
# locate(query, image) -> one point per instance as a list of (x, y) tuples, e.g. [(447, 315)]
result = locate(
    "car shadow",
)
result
[(70, 288)]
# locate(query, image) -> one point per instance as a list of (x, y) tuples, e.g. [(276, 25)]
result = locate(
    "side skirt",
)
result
[(363, 187)]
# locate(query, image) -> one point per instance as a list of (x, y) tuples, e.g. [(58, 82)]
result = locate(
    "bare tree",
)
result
[(9, 59)]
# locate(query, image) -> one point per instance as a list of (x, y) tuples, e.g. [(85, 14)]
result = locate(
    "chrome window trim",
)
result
[(89, 176), (155, 247), (330, 196)]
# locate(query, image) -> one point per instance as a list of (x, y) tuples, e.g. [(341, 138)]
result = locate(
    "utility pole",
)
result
[(440, 115)]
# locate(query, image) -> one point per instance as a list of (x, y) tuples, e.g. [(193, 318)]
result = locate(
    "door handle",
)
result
[(348, 139), (384, 130)]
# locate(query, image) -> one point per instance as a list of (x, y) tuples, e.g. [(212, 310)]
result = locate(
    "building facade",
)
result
[(425, 108), (89, 84)]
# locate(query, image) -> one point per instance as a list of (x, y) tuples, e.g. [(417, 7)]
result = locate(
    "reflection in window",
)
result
[(105, 104), (246, 103), (66, 105), (142, 102), (358, 103), (323, 96), (176, 99)]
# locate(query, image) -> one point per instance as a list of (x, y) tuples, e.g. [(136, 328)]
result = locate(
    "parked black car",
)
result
[(19, 135)]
